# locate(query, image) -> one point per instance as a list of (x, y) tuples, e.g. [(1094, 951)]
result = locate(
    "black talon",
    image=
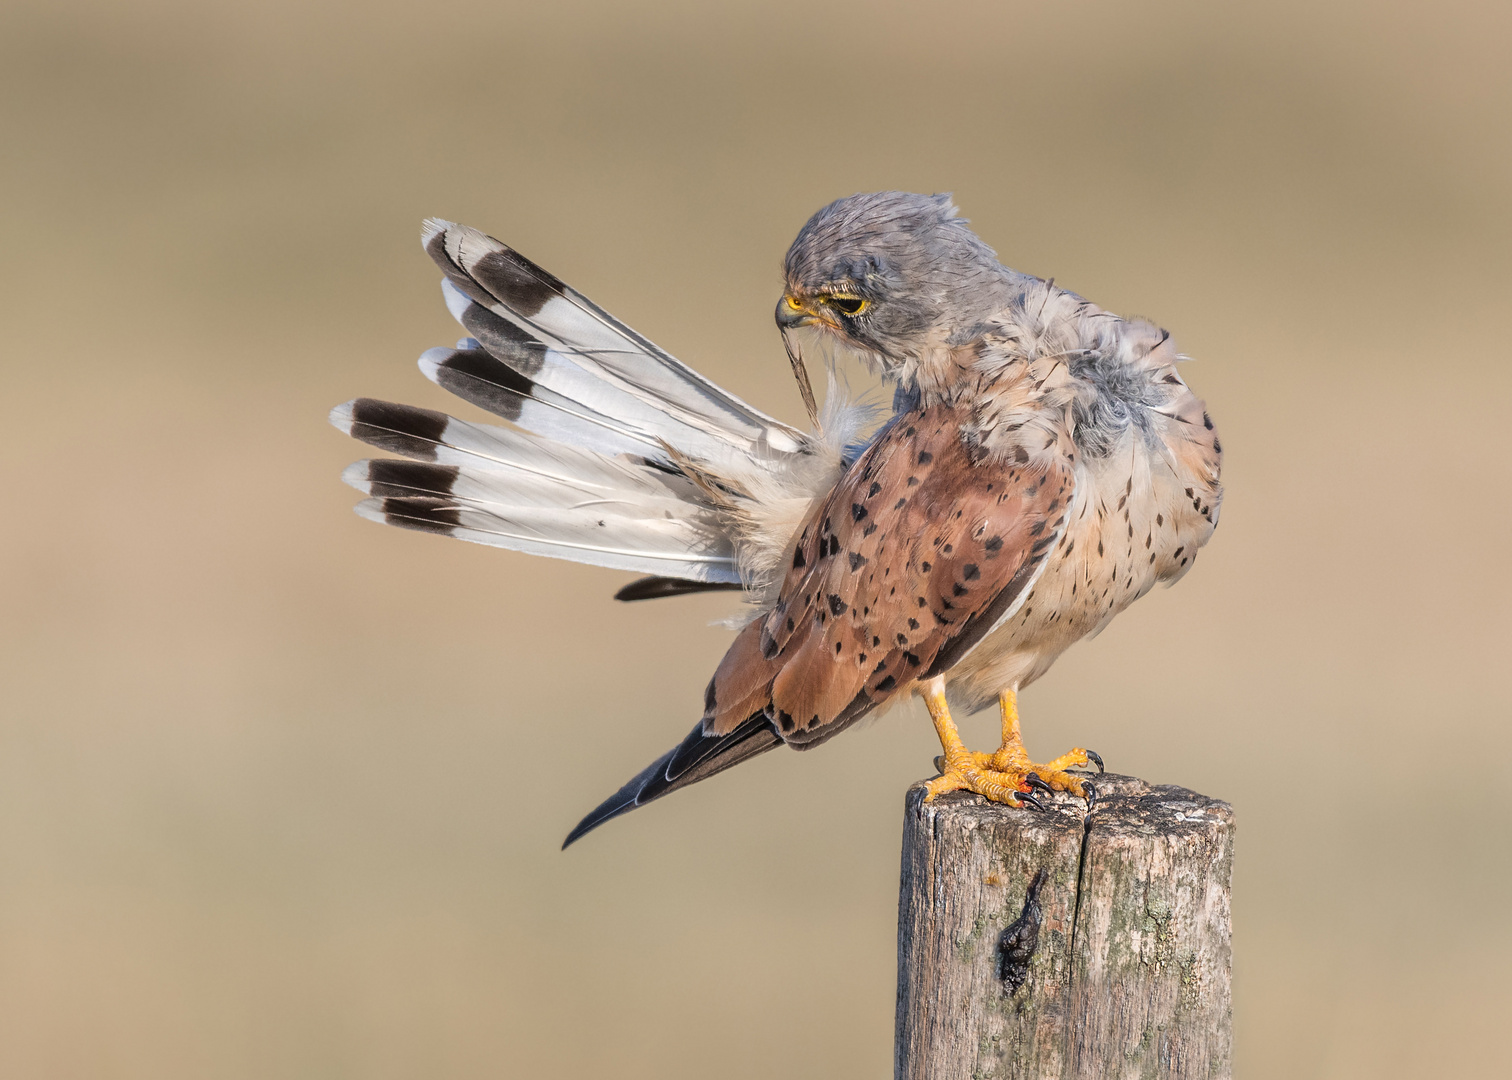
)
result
[(939, 764), (1091, 791), (1096, 759), (1034, 780), (1025, 799)]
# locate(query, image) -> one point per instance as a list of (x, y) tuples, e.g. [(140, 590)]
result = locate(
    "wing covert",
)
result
[(915, 555)]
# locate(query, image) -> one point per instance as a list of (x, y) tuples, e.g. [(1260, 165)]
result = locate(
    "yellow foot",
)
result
[(970, 772), (1006, 776), (1053, 775), (991, 775)]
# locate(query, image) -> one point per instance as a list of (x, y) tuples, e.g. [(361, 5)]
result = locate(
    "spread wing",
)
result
[(915, 555), (604, 433), (573, 372)]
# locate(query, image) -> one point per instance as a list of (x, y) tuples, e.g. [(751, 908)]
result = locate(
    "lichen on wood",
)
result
[(1128, 975)]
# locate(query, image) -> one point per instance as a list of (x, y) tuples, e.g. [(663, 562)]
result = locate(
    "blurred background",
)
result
[(276, 792)]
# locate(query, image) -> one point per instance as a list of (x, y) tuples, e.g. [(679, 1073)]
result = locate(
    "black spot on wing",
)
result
[(388, 478), (481, 379), (519, 284), (424, 514), (505, 341), (400, 429)]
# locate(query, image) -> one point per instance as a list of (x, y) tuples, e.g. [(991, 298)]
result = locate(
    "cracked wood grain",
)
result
[(1129, 973)]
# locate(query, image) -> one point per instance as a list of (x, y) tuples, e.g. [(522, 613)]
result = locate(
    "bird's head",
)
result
[(890, 276)]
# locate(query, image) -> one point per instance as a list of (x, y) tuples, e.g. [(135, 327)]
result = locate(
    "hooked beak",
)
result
[(795, 311)]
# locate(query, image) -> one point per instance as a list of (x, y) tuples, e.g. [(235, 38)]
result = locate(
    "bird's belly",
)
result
[(1130, 525)]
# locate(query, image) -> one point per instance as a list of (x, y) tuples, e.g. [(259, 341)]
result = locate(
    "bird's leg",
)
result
[(963, 770), (1012, 758)]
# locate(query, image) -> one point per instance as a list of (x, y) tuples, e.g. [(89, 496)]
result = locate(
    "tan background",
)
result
[(281, 791)]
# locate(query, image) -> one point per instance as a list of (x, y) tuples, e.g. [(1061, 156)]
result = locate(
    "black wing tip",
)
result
[(696, 758), (423, 513), (399, 429), (396, 478), (593, 821), (626, 799), (500, 273), (652, 588)]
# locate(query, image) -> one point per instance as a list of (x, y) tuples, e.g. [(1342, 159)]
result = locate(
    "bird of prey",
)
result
[(1043, 466)]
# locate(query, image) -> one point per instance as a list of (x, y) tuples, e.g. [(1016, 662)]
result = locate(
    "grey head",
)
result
[(890, 275)]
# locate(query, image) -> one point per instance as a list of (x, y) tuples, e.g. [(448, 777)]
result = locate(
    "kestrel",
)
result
[(1044, 465)]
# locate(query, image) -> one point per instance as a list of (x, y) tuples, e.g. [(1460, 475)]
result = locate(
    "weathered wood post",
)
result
[(1116, 966)]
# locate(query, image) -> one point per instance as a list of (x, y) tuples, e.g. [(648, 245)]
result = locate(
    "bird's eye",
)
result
[(850, 305)]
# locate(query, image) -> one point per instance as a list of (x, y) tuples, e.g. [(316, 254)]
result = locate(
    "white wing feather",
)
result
[(618, 454)]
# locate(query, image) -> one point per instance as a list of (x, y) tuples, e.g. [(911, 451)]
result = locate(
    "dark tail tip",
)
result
[(622, 801), (698, 757)]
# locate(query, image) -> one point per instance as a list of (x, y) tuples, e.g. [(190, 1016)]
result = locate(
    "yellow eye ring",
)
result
[(850, 305)]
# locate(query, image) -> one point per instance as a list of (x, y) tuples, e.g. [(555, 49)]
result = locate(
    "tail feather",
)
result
[(698, 757)]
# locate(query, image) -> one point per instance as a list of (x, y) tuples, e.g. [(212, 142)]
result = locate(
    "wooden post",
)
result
[(1116, 966)]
